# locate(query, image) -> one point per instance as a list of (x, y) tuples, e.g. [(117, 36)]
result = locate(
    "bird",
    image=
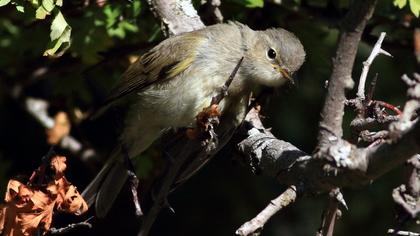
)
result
[(174, 81)]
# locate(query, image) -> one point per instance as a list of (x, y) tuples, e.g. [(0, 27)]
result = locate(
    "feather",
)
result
[(159, 64)]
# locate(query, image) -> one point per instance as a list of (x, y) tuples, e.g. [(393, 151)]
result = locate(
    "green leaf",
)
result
[(111, 15), (128, 26), (63, 40), (400, 3), (415, 7), (48, 5), (58, 26), (254, 3), (20, 8), (136, 8), (4, 2), (41, 13), (60, 36), (59, 3)]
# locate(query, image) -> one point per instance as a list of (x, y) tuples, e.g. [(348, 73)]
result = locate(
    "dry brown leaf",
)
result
[(28, 209), (58, 164)]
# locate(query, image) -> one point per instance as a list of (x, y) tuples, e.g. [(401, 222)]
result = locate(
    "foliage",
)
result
[(29, 207), (414, 5)]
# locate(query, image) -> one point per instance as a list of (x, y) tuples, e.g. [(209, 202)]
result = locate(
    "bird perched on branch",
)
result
[(172, 83)]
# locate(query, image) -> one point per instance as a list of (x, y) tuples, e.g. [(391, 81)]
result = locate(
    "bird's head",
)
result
[(273, 57)]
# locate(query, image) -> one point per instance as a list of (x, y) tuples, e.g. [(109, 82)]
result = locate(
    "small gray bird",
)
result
[(169, 85)]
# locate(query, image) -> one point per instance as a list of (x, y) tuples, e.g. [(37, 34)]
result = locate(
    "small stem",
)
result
[(255, 225), (366, 65), (389, 107), (70, 227), (331, 213), (224, 91), (405, 233)]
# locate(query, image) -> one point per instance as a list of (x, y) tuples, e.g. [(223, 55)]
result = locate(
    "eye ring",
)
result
[(271, 54)]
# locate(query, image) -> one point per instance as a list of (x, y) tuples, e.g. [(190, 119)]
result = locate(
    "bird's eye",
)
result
[(271, 54)]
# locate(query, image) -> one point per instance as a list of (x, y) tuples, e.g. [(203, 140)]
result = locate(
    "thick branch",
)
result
[(340, 80), (176, 16), (350, 165)]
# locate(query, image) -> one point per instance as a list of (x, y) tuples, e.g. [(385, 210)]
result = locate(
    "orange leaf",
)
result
[(28, 209), (73, 202), (58, 164)]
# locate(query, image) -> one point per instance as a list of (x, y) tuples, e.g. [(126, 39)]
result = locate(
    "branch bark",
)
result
[(340, 79), (350, 166), (330, 214), (176, 16)]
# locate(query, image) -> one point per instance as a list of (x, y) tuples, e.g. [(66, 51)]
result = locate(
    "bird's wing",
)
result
[(165, 61)]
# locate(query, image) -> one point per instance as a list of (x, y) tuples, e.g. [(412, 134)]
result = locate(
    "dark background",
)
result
[(224, 194)]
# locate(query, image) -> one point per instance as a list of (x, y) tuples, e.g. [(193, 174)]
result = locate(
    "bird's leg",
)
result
[(210, 116), (134, 181), (206, 121)]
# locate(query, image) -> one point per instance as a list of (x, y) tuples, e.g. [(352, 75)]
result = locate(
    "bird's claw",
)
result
[(206, 121)]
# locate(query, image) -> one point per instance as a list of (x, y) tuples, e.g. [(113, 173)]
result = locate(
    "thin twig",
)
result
[(372, 88), (224, 91), (366, 65), (70, 227), (354, 23), (369, 122), (255, 225), (403, 233), (331, 213), (388, 106)]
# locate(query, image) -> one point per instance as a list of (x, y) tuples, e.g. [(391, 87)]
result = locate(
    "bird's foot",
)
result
[(206, 122)]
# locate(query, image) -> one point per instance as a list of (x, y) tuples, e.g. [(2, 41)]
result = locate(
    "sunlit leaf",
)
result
[(59, 3), (415, 7), (20, 8), (48, 5), (4, 2), (400, 3), (128, 26), (62, 42), (112, 14), (254, 3), (41, 13), (60, 35), (58, 26)]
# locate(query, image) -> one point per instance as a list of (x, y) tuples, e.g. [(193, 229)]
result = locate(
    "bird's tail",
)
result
[(105, 187)]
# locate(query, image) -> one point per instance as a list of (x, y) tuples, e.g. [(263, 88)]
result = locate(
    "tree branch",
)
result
[(366, 64), (349, 166), (254, 226), (176, 16), (340, 79), (330, 214)]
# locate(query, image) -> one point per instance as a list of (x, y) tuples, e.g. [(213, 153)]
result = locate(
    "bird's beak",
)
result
[(286, 74)]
